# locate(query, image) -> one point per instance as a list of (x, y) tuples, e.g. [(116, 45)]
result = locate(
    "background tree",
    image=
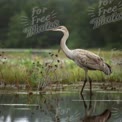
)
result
[(73, 14)]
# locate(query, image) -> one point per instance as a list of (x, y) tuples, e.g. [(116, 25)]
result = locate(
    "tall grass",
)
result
[(41, 71)]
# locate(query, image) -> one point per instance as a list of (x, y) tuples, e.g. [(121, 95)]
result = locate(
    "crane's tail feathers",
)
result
[(107, 69)]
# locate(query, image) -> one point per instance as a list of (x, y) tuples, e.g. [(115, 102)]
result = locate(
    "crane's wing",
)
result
[(87, 59)]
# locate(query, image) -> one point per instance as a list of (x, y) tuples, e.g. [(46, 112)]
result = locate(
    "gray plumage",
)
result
[(83, 58)]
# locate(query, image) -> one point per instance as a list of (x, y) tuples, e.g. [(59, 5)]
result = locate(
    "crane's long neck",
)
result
[(65, 49)]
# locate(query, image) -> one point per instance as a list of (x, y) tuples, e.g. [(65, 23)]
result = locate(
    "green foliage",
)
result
[(41, 72), (73, 14)]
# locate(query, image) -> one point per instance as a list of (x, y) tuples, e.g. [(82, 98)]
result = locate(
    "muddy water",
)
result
[(66, 107)]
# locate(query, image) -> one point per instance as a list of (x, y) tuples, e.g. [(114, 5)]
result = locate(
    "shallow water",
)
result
[(67, 107)]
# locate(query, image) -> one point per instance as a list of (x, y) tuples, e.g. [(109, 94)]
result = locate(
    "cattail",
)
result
[(56, 55), (52, 55), (41, 72), (56, 66), (46, 64), (49, 66), (38, 62), (58, 61)]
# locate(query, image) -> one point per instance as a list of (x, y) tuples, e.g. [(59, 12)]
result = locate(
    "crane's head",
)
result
[(59, 28)]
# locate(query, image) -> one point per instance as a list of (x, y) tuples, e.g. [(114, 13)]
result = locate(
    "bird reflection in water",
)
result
[(103, 117)]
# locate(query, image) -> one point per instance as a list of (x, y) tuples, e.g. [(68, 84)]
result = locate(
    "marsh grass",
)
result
[(36, 71)]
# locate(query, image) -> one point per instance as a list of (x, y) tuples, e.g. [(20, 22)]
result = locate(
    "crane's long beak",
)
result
[(53, 29), (50, 29)]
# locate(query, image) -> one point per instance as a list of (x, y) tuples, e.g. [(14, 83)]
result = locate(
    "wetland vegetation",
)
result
[(41, 69)]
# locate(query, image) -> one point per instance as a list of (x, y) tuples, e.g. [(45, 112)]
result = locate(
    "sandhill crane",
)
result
[(83, 58), (88, 117)]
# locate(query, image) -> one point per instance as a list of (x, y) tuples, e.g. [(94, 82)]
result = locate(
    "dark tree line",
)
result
[(71, 13)]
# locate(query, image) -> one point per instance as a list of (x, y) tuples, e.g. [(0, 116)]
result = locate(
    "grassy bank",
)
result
[(45, 68)]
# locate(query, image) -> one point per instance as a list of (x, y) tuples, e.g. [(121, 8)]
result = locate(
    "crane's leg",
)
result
[(90, 82), (86, 78), (84, 102), (83, 86)]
